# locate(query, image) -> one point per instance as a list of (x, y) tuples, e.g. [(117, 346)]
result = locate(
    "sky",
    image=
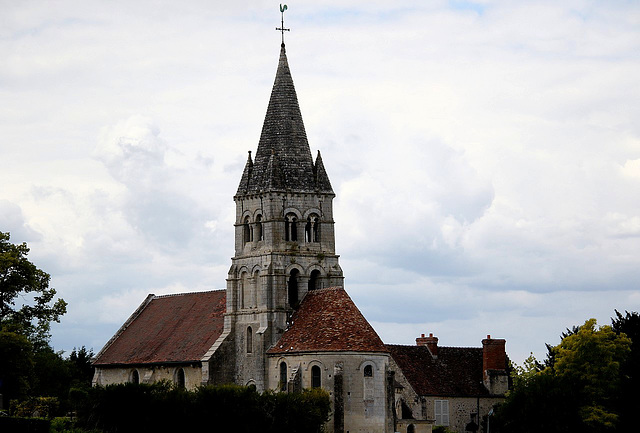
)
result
[(485, 155)]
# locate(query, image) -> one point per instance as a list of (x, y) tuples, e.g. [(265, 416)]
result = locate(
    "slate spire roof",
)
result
[(328, 321), (283, 160)]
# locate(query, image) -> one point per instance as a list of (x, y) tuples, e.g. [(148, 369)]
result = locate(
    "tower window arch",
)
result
[(314, 282), (249, 339), (283, 376), (290, 227), (316, 377), (246, 231), (312, 229), (259, 236), (292, 287)]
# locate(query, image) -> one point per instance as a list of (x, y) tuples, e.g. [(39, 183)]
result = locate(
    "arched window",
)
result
[(293, 288), (258, 230), (369, 385), (246, 229), (245, 291), (249, 340), (316, 380), (283, 376), (290, 227), (180, 378), (313, 279), (135, 377), (368, 371), (411, 428), (312, 229)]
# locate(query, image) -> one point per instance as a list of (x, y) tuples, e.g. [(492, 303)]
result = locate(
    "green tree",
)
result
[(28, 365), (20, 278), (575, 389)]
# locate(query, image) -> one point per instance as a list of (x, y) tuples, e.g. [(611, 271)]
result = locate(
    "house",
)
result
[(285, 322), (448, 386)]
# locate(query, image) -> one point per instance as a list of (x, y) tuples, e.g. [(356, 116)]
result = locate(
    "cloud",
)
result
[(484, 154)]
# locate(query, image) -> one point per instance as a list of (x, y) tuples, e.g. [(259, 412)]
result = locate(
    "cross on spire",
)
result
[(281, 28)]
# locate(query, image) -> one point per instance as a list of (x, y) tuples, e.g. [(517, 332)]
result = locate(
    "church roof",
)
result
[(456, 372), (328, 321), (165, 329), (283, 160)]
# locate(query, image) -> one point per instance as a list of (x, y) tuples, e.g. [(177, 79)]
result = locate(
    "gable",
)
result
[(168, 329)]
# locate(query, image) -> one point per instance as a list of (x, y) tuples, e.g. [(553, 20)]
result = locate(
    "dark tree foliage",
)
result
[(629, 397), (16, 365), (163, 408), (80, 367), (20, 278)]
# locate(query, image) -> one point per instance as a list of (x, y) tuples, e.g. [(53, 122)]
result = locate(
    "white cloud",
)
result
[(485, 154)]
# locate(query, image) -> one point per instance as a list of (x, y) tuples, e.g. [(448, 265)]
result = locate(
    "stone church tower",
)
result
[(284, 233)]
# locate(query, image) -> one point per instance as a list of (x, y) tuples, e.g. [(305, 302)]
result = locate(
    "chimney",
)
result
[(494, 365), (494, 356), (431, 342)]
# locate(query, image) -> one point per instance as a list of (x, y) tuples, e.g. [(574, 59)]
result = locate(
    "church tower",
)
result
[(284, 233)]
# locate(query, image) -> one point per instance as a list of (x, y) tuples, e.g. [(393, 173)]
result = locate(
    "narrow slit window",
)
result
[(316, 380), (246, 228), (283, 376), (249, 340), (259, 236)]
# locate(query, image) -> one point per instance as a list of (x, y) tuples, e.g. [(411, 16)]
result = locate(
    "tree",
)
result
[(24, 326), (629, 398), (19, 277), (16, 365), (575, 389)]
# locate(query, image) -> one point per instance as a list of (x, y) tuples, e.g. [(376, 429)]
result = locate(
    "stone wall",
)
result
[(360, 400), (104, 376)]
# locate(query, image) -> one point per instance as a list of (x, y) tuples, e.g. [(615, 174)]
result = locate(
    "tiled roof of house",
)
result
[(457, 371), (283, 160), (166, 329), (328, 321)]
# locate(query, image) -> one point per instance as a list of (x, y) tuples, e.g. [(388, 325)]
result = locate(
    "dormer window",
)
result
[(290, 227), (312, 229)]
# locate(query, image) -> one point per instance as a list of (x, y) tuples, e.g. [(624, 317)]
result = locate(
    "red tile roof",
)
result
[(164, 329), (328, 321), (456, 372)]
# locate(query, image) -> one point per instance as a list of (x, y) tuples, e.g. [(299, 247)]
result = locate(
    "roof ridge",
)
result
[(186, 293)]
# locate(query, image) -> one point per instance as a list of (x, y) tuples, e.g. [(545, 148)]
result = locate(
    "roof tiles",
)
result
[(328, 321), (457, 371), (173, 328)]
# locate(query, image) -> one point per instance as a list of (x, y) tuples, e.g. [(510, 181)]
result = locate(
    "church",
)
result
[(286, 323)]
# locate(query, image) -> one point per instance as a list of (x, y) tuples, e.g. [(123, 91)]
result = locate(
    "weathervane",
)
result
[(281, 28)]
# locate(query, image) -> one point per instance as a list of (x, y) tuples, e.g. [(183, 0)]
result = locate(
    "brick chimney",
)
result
[(431, 342), (494, 365)]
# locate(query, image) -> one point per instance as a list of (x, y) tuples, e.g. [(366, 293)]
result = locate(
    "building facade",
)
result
[(284, 321)]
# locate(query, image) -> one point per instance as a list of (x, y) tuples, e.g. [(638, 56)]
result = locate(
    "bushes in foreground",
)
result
[(161, 407)]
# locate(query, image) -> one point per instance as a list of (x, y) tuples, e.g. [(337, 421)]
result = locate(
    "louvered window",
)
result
[(441, 410)]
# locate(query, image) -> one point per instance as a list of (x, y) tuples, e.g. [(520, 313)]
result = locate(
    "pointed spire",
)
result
[(283, 133), (321, 177), (246, 176)]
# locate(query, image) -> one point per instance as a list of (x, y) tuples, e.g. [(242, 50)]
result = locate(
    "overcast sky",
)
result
[(485, 155)]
